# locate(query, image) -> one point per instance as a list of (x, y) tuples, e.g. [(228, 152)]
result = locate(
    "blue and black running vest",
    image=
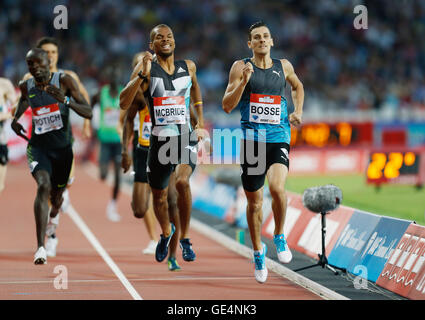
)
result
[(263, 106)]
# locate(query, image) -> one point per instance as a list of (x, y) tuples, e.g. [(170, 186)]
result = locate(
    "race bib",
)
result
[(147, 128), (264, 108), (47, 118), (169, 110), (111, 117)]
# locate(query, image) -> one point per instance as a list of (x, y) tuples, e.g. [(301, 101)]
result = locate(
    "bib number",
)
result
[(264, 109), (47, 118), (169, 110)]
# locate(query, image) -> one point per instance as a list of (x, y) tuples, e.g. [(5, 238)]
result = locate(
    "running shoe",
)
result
[(161, 251), (150, 249), (40, 256), (66, 201), (188, 254), (173, 265), (51, 245), (52, 225), (111, 212), (283, 253), (260, 271)]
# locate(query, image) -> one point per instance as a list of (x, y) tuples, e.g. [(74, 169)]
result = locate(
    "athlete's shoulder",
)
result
[(27, 76), (72, 74)]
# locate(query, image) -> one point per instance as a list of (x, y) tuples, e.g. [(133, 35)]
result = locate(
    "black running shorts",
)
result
[(57, 162), (140, 158), (4, 154), (256, 159), (165, 154)]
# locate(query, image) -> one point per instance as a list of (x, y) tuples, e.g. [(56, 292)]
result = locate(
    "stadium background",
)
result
[(372, 79)]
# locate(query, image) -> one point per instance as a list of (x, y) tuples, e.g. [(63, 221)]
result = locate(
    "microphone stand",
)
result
[(323, 261)]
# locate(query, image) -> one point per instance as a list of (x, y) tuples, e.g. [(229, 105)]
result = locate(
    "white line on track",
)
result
[(102, 252)]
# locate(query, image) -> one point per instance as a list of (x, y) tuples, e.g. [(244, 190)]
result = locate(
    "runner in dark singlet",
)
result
[(50, 96), (169, 87)]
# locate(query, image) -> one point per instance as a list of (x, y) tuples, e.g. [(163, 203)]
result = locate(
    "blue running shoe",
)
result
[(260, 271), (188, 254), (161, 251), (283, 253), (173, 265)]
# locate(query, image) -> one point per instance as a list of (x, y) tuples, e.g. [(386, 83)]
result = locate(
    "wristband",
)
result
[(196, 103), (66, 101), (141, 76)]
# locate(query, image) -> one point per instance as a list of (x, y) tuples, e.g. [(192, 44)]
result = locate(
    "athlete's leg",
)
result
[(3, 170), (41, 204), (173, 214), (143, 208), (184, 197), (276, 177), (254, 216), (160, 206)]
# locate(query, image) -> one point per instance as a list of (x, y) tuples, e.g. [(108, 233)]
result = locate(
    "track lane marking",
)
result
[(73, 214)]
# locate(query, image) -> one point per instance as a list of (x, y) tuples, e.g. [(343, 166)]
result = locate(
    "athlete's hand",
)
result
[(86, 129), (19, 129), (125, 161), (147, 63), (247, 71), (55, 92), (295, 118)]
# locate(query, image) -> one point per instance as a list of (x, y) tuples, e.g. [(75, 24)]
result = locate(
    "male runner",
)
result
[(49, 150), (7, 98), (51, 46), (169, 86), (257, 87), (110, 141), (141, 203)]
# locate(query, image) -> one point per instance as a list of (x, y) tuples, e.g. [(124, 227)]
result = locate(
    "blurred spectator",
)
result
[(341, 68)]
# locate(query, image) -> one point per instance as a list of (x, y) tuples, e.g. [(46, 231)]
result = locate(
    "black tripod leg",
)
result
[(308, 267)]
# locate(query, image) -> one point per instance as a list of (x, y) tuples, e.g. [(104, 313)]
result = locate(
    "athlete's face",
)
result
[(52, 53), (38, 66), (261, 40), (163, 43)]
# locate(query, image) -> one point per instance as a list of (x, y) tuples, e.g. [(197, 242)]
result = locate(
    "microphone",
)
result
[(322, 199)]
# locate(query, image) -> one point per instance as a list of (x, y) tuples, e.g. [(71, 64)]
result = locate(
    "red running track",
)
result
[(123, 272)]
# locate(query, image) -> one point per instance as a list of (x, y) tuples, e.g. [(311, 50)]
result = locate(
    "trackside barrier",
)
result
[(387, 251)]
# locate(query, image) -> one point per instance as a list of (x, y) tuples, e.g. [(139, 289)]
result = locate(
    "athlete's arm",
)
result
[(240, 73), (297, 92), (130, 114), (136, 84), (86, 125), (195, 94), (80, 105), (23, 105)]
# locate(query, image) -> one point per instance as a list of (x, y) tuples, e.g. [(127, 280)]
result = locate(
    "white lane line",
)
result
[(102, 252)]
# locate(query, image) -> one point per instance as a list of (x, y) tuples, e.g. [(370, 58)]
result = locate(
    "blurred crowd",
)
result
[(379, 68)]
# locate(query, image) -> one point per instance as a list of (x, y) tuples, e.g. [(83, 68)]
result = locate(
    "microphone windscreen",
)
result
[(323, 198)]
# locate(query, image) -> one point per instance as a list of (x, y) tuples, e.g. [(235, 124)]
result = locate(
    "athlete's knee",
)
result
[(182, 184), (44, 186), (277, 191), (139, 210)]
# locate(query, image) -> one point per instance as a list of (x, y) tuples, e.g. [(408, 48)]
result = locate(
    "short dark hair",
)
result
[(38, 52), (254, 26), (153, 33), (46, 40)]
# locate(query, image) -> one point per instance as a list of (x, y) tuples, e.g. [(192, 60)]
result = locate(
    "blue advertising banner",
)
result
[(370, 260), (353, 238), (215, 198)]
